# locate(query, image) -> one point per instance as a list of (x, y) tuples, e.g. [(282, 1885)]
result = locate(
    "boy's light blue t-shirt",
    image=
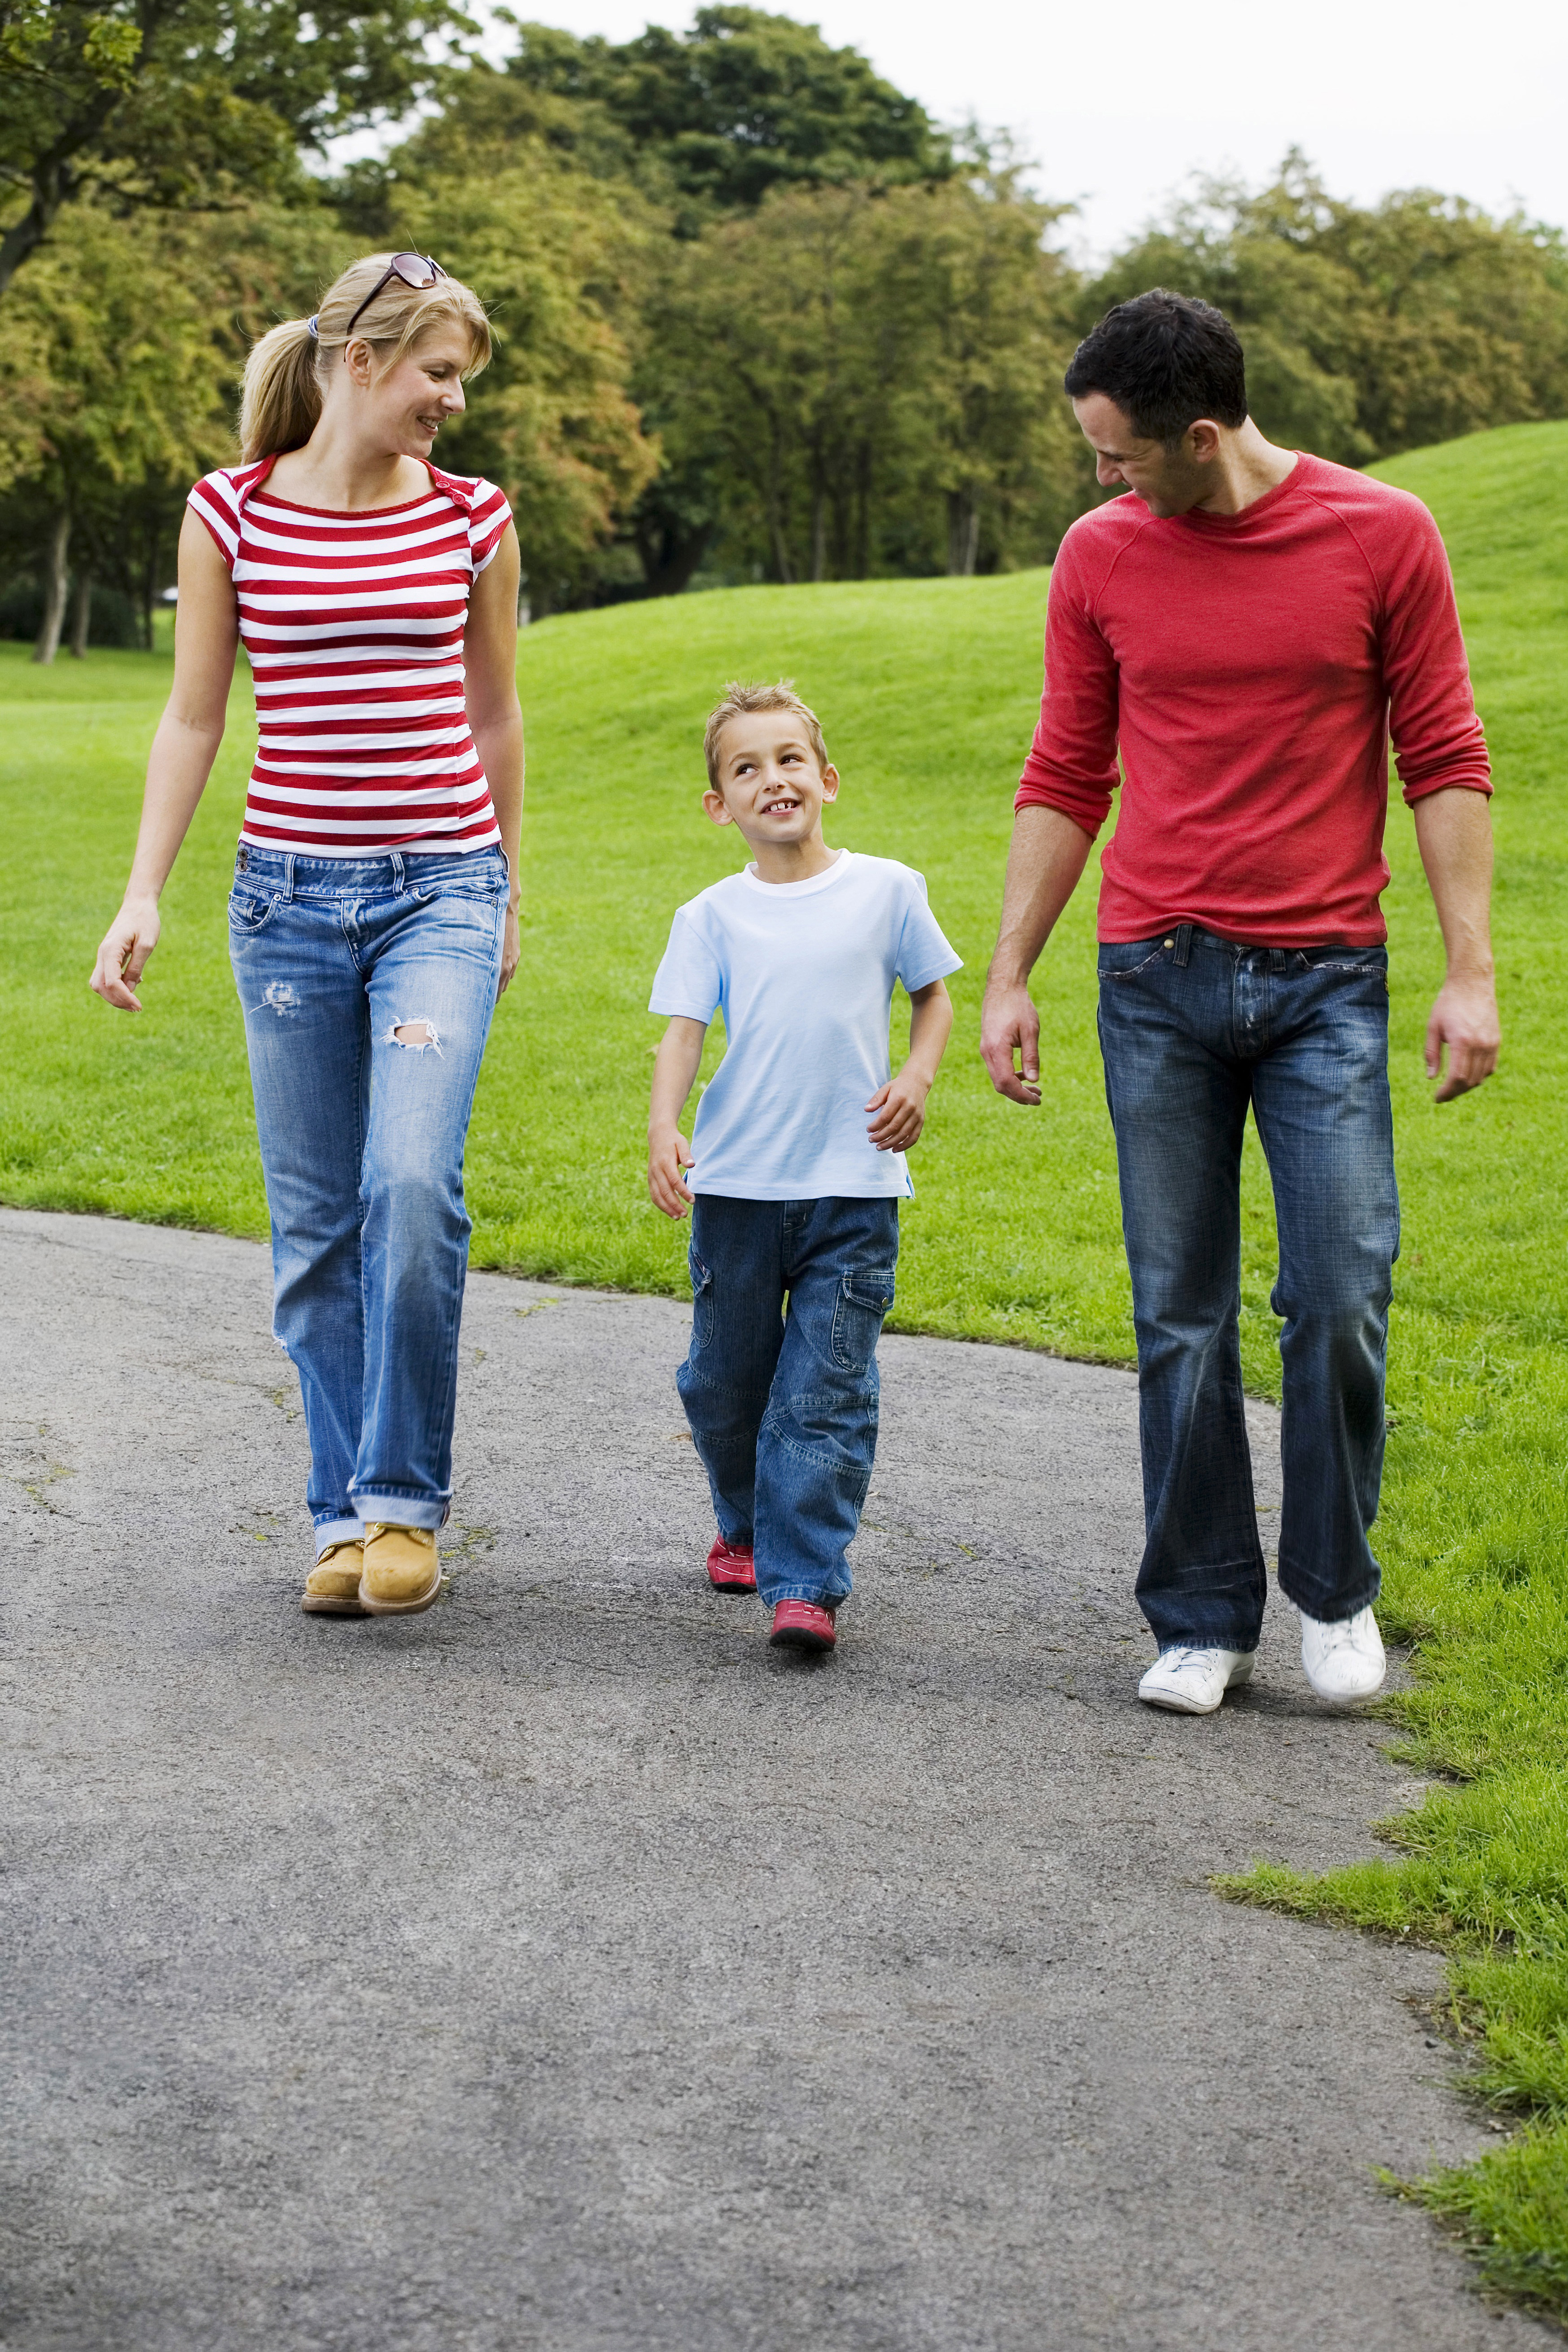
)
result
[(804, 973)]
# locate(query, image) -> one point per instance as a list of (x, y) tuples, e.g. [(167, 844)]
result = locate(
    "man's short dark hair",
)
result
[(1166, 359)]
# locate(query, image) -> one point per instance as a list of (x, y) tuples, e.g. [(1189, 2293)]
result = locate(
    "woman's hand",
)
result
[(123, 959), (510, 951), (207, 634)]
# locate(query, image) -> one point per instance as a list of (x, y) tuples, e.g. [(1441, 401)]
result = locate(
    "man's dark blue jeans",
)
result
[(1193, 1028), (783, 1406)]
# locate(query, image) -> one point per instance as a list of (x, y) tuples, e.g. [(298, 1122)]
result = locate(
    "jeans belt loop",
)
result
[(1184, 944), (288, 874), (396, 869)]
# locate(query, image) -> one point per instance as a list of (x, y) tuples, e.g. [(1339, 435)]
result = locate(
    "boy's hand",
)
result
[(669, 1153), (901, 1108)]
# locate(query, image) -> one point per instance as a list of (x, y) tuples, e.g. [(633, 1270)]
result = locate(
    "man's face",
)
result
[(1169, 481), (770, 784)]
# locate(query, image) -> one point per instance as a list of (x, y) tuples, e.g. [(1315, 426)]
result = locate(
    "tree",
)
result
[(557, 252), (118, 372), (1368, 330), (741, 103), (868, 382), (169, 102)]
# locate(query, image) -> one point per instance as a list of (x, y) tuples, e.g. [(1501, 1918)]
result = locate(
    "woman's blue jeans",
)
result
[(784, 1406), (361, 1139), (1193, 1028)]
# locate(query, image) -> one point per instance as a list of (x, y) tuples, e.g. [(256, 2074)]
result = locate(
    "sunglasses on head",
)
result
[(415, 269)]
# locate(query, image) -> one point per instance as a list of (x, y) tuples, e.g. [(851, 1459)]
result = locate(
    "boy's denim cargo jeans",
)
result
[(783, 1405)]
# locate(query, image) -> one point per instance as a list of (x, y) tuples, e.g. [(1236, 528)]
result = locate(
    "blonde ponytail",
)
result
[(283, 376), (282, 394)]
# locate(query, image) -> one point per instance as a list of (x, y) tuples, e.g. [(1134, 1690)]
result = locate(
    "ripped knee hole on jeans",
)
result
[(415, 1035)]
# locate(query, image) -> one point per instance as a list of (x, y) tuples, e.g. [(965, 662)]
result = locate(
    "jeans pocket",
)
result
[(1127, 959), (701, 1302), (248, 914), (863, 1300)]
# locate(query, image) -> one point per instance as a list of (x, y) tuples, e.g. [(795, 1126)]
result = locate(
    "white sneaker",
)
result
[(1344, 1660), (1194, 1681)]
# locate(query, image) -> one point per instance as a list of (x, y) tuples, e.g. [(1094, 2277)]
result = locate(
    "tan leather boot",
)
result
[(331, 1589), (402, 1571)]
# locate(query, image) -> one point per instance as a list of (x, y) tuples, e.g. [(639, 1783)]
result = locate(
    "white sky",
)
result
[(1119, 105)]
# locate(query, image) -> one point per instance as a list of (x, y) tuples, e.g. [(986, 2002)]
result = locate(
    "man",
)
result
[(1248, 624)]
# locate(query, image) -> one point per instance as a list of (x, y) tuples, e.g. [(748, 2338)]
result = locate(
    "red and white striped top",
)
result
[(354, 624)]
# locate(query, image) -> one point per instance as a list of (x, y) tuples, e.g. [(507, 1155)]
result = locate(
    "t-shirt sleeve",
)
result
[(688, 981), (1071, 764), (1437, 738), (488, 518), (924, 953), (213, 500)]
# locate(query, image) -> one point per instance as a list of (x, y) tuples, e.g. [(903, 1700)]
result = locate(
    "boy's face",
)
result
[(770, 784)]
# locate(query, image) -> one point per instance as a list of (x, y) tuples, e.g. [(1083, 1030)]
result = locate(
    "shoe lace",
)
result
[(1338, 1633)]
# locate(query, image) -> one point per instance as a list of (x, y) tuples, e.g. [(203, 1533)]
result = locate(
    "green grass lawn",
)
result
[(928, 693)]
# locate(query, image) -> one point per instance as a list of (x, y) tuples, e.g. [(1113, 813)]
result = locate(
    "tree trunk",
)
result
[(819, 533), (81, 614), (962, 532), (862, 559), (776, 517), (149, 586), (55, 579), (670, 554)]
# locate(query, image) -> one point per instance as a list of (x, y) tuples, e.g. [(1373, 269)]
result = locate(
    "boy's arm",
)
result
[(674, 1069), (900, 1105)]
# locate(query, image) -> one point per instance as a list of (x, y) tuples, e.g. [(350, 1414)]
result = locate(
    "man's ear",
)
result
[(830, 782), (713, 802), (1204, 440)]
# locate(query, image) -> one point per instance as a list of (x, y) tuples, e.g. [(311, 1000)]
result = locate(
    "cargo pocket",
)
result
[(863, 1300), (701, 1303)]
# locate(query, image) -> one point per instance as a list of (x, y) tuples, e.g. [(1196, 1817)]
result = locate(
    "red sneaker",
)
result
[(731, 1568), (803, 1625)]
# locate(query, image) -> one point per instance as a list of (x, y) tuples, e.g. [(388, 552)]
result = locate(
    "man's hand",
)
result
[(669, 1154), (1465, 1020), (900, 1108), (1010, 1025), (123, 959)]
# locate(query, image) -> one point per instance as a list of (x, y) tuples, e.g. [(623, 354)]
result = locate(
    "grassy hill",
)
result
[(928, 692)]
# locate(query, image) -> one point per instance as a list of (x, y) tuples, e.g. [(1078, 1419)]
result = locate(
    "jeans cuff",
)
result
[(1325, 1606), (401, 1510), (814, 1594), (337, 1530)]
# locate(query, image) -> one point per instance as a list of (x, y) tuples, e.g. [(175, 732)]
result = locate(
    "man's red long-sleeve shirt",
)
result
[(1251, 667)]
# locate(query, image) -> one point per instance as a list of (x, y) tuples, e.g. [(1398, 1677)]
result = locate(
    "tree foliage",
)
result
[(1368, 330), (861, 380), (165, 102), (756, 316), (741, 104)]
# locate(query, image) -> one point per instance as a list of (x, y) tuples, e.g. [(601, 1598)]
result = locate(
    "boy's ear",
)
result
[(713, 802), (830, 782)]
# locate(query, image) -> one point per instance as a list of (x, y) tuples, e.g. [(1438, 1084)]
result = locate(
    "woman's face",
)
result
[(412, 399)]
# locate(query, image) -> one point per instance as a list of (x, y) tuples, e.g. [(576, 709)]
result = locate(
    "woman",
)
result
[(374, 918)]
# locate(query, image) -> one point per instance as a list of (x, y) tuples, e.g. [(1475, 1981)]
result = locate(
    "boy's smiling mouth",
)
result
[(784, 807)]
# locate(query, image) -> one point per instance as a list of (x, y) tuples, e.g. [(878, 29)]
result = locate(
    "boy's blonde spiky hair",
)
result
[(738, 700)]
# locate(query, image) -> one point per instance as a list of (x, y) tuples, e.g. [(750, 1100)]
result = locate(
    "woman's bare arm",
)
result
[(207, 634), (495, 715)]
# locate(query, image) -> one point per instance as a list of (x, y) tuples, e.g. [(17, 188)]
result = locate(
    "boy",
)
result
[(793, 1192)]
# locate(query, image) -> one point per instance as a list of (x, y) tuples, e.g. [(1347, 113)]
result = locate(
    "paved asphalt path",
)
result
[(565, 1970)]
